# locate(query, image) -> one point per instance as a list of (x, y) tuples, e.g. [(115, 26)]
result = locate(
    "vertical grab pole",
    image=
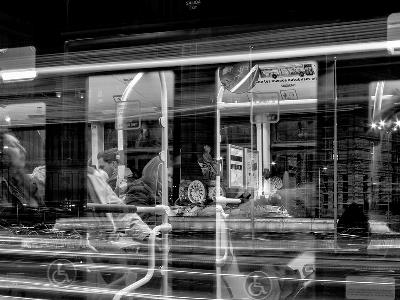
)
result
[(266, 153), (120, 117), (218, 192), (260, 159), (164, 181), (335, 155)]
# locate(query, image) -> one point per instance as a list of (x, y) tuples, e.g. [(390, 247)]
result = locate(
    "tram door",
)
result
[(266, 154)]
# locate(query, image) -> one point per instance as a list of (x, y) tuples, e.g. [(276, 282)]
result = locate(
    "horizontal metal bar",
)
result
[(111, 208), (124, 208), (220, 58), (221, 200)]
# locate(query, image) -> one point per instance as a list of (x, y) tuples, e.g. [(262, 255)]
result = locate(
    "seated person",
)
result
[(20, 198), (108, 162), (100, 192), (208, 164), (146, 191)]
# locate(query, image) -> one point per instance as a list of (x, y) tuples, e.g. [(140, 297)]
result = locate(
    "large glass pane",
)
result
[(274, 178), (269, 114), (130, 158), (367, 184)]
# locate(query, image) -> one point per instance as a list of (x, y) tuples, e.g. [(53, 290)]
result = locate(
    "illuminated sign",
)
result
[(18, 64), (288, 81), (251, 168), (235, 163)]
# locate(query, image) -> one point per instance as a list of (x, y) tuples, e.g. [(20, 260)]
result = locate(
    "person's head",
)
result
[(108, 161), (207, 149), (14, 152), (152, 173)]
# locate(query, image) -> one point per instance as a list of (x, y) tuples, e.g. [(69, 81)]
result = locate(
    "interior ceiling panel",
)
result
[(48, 23)]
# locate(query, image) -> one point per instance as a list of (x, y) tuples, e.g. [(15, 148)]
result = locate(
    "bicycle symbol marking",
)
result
[(258, 285), (61, 272)]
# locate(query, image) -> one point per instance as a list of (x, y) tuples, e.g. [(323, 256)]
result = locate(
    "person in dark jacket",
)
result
[(353, 227)]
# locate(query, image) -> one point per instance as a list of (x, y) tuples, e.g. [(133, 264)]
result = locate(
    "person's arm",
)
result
[(130, 222)]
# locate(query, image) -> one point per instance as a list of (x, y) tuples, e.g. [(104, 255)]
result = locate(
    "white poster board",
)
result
[(235, 164), (288, 81), (251, 168), (292, 84)]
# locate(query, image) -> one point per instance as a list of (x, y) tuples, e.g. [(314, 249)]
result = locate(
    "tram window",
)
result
[(272, 108), (125, 113)]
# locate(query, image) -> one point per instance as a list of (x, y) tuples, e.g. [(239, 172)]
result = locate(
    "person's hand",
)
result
[(123, 186)]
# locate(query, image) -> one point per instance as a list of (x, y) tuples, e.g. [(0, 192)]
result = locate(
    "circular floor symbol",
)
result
[(258, 285), (61, 272)]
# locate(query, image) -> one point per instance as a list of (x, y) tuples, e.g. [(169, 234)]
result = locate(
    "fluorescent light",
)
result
[(18, 75), (220, 58)]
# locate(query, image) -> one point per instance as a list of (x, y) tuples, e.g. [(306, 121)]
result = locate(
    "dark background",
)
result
[(47, 24)]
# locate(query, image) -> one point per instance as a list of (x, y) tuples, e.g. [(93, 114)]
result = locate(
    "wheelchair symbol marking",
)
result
[(258, 285), (61, 272)]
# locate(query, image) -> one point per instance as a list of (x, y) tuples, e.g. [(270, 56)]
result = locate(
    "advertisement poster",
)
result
[(251, 168), (235, 166), (288, 81)]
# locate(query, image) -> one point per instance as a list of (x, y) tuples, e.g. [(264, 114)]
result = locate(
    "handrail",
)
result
[(151, 265), (224, 200), (85, 223), (219, 210), (111, 208), (125, 208), (119, 120), (219, 199), (164, 180)]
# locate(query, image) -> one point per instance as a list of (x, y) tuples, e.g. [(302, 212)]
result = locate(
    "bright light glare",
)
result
[(18, 75), (397, 123), (254, 69), (8, 119), (222, 58), (382, 123), (131, 85), (373, 125)]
